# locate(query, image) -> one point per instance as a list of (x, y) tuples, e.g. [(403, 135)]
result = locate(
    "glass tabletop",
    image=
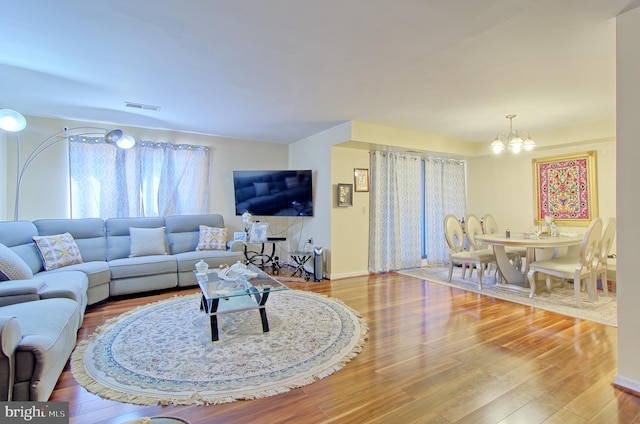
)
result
[(214, 287)]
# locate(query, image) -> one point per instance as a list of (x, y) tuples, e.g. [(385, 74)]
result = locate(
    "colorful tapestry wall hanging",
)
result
[(566, 188)]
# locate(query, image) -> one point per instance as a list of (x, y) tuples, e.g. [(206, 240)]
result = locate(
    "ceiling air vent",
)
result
[(142, 106)]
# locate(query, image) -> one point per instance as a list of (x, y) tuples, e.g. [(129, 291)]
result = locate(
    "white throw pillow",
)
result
[(12, 267), (212, 238), (148, 241), (58, 250)]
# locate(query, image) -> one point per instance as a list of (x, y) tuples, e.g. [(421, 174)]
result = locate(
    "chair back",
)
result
[(453, 233), (473, 229), (490, 225), (590, 248), (608, 235)]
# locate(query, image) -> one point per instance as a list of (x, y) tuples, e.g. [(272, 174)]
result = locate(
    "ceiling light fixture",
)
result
[(512, 141)]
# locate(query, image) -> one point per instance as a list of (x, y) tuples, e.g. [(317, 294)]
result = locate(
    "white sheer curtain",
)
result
[(444, 193), (150, 179), (395, 212)]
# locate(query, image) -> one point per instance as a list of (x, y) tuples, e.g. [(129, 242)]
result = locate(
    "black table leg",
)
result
[(213, 318), (263, 311), (265, 322), (214, 328)]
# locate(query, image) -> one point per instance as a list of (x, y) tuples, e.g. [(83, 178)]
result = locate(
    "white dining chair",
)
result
[(454, 236), (515, 254), (608, 234), (581, 268), (490, 226)]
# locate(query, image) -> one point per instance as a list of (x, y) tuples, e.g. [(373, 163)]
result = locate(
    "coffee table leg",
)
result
[(265, 322), (213, 318), (263, 311), (214, 328)]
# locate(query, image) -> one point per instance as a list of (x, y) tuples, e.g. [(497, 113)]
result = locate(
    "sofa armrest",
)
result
[(21, 287), (10, 336)]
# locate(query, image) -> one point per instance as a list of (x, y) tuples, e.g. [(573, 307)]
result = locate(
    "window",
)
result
[(150, 179)]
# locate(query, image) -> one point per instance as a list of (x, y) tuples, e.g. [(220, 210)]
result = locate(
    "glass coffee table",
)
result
[(225, 296)]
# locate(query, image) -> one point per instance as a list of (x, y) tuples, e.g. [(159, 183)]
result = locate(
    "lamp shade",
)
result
[(126, 142), (12, 121)]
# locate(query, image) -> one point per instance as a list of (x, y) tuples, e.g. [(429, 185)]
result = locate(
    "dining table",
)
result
[(513, 272)]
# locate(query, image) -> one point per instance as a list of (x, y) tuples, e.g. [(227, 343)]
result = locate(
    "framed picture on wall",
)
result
[(345, 194), (566, 188), (361, 179)]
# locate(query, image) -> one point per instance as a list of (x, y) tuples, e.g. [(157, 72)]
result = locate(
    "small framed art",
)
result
[(345, 194), (239, 236), (361, 179), (258, 232)]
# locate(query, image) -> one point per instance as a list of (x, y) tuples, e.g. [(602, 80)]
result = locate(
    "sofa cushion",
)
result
[(57, 250), (89, 234), (12, 267), (148, 241), (18, 236), (117, 232), (142, 266), (212, 238), (183, 231), (97, 272), (68, 284)]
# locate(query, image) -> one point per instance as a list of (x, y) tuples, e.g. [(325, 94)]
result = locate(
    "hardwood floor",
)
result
[(434, 355)]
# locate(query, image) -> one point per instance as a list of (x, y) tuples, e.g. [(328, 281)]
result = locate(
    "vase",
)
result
[(202, 267)]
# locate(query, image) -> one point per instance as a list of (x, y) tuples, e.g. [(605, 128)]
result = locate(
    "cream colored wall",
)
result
[(315, 153), (45, 191), (503, 184), (628, 201), (349, 225)]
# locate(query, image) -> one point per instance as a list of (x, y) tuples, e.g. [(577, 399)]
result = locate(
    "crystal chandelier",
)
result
[(512, 141)]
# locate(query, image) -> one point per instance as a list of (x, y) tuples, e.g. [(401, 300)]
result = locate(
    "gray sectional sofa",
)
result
[(40, 316)]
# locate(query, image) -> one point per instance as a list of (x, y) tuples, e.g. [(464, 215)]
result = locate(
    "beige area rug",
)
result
[(163, 353), (560, 300)]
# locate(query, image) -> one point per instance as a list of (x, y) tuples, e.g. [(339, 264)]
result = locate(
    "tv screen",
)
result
[(273, 193)]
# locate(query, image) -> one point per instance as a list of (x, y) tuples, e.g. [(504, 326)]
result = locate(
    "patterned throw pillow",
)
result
[(212, 238), (58, 250), (12, 267), (148, 241)]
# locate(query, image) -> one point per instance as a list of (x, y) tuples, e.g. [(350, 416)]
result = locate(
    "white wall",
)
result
[(628, 201)]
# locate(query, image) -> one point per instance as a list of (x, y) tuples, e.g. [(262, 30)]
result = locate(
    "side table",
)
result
[(263, 257), (300, 259)]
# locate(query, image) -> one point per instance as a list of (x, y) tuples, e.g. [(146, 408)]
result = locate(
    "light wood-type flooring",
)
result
[(435, 354)]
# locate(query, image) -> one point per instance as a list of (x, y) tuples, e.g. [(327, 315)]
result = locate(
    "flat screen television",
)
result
[(273, 192)]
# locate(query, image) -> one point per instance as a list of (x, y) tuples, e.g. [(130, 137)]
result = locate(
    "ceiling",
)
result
[(282, 70)]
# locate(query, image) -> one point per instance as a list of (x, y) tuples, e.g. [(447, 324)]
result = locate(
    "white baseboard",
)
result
[(346, 275), (627, 383)]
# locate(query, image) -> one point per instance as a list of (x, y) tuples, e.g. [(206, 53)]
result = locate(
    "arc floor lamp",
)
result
[(13, 121)]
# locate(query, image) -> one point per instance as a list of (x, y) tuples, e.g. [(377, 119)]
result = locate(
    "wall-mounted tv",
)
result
[(273, 193)]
